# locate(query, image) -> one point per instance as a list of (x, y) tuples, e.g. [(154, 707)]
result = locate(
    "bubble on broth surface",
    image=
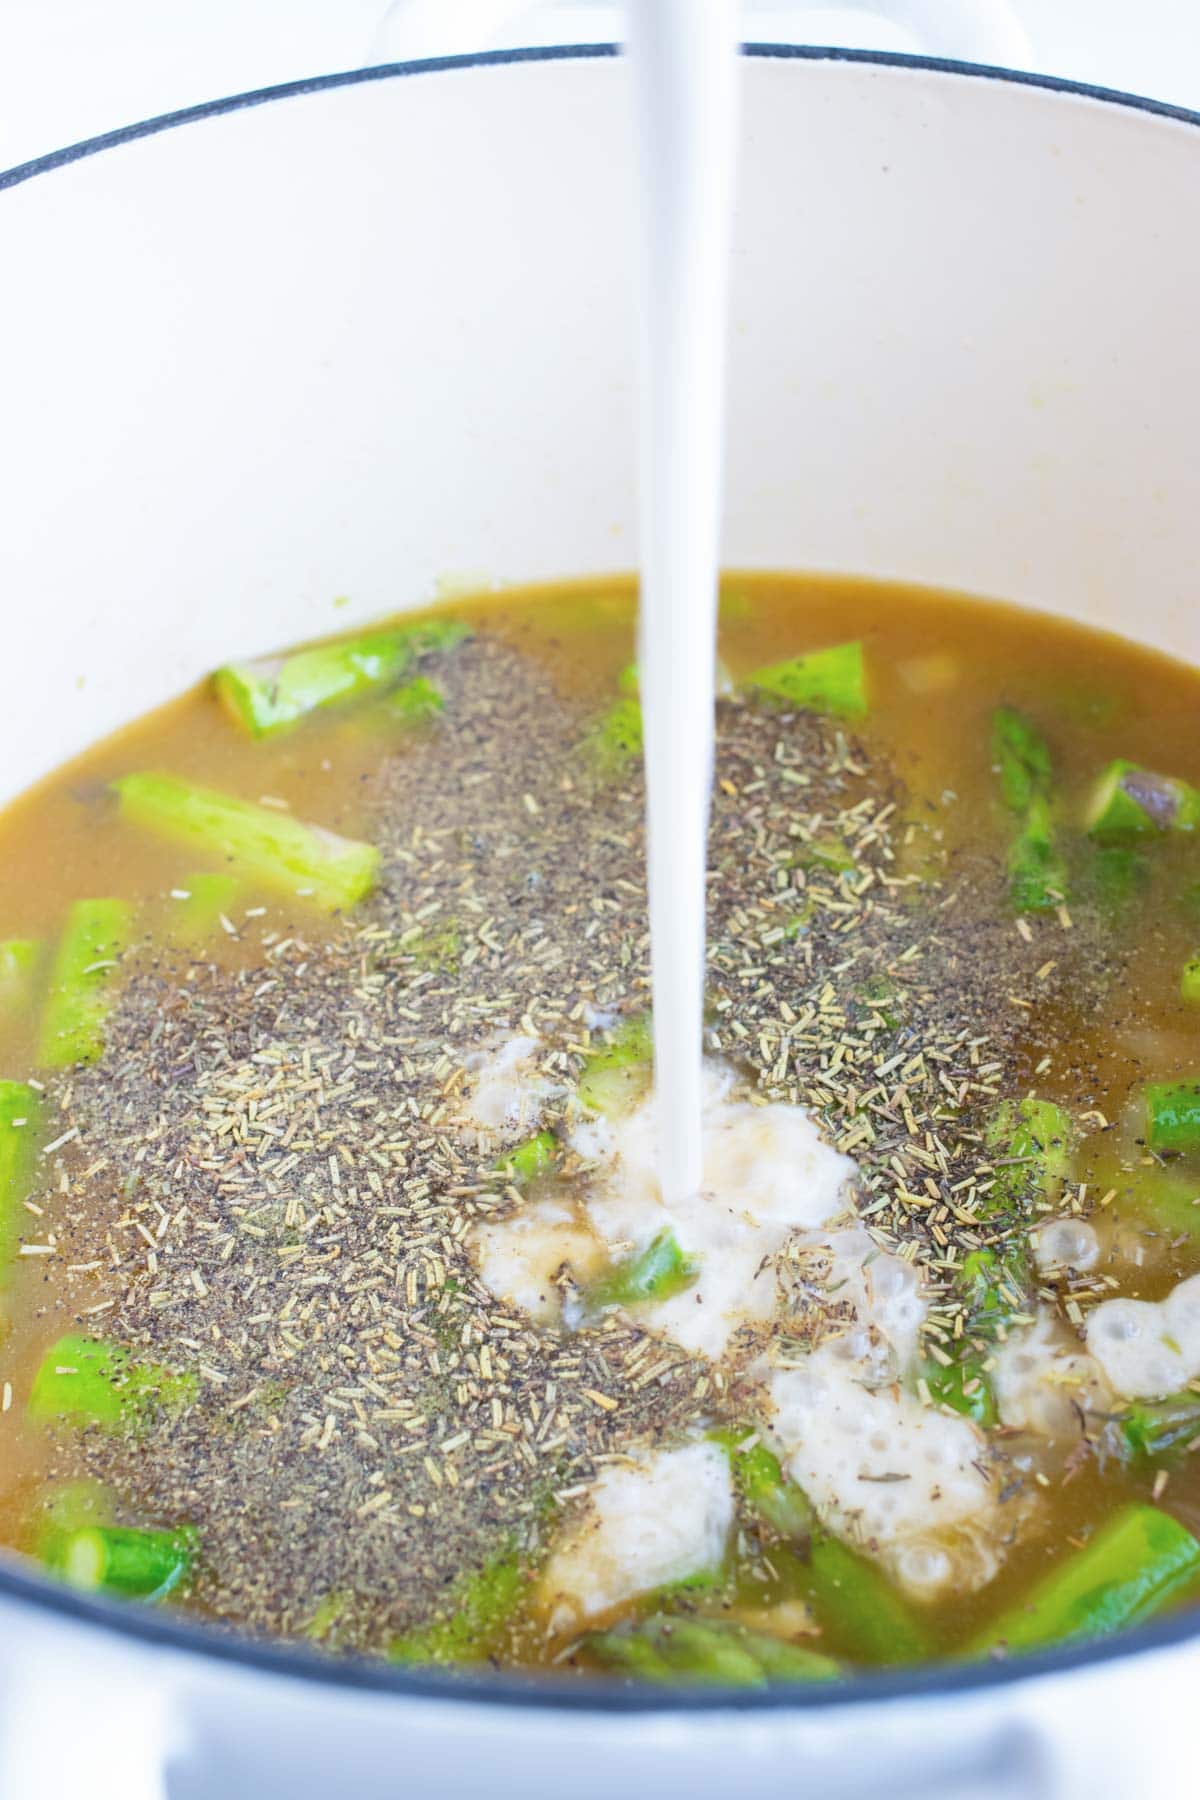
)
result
[(1045, 1382), (1148, 1348)]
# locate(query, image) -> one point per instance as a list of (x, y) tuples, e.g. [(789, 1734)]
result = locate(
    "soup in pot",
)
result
[(340, 1303)]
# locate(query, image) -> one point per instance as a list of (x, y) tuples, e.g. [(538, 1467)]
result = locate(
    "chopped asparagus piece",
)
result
[(1031, 1143), (1116, 874), (70, 1507), (965, 1386), (854, 1603), (1037, 877), (20, 1124), (764, 1487), (1129, 801), (1167, 1199), (267, 696), (1132, 1567), (825, 681), (483, 1602), (263, 845), (1189, 982), (199, 905), (1173, 1116), (85, 1381), (80, 995), (1037, 874), (616, 738), (416, 702), (827, 852), (1155, 1429), (670, 1647), (615, 1076), (20, 959), (327, 1616), (1021, 754), (115, 1559), (655, 1273), (439, 949), (536, 1156)]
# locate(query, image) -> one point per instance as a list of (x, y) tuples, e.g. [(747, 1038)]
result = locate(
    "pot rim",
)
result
[(193, 1636)]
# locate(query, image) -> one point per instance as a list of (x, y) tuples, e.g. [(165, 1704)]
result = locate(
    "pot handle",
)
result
[(980, 31)]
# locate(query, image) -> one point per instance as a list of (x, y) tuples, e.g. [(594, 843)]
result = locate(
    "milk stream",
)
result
[(685, 81)]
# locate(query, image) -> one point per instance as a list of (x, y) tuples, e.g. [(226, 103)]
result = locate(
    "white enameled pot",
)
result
[(372, 333)]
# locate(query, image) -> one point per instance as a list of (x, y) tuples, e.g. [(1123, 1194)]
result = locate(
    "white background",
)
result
[(72, 68)]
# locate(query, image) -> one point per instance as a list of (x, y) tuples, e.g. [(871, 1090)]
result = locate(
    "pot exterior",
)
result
[(376, 337)]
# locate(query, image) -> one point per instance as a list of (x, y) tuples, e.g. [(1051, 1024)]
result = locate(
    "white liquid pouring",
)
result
[(685, 80)]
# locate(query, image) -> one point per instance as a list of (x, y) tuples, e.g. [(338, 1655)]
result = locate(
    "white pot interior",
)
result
[(368, 338)]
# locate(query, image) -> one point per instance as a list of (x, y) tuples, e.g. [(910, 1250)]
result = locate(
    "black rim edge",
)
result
[(191, 1637), (289, 90)]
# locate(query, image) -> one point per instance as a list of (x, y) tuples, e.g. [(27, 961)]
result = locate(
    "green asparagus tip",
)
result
[(677, 1649)]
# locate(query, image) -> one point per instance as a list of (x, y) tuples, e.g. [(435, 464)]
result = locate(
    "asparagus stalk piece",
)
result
[(1167, 1199), (1022, 757), (655, 1273), (1036, 872), (525, 1162), (85, 1381), (614, 1077), (20, 1124), (199, 905), (416, 702), (1189, 982), (827, 852), (1172, 1116), (89, 953), (20, 959), (123, 1560), (262, 845), (1133, 1566), (1129, 802), (993, 1287), (1158, 1430), (1116, 873), (269, 695), (482, 1602), (1031, 1143), (824, 681), (615, 740), (854, 1603), (965, 1386), (677, 1648)]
